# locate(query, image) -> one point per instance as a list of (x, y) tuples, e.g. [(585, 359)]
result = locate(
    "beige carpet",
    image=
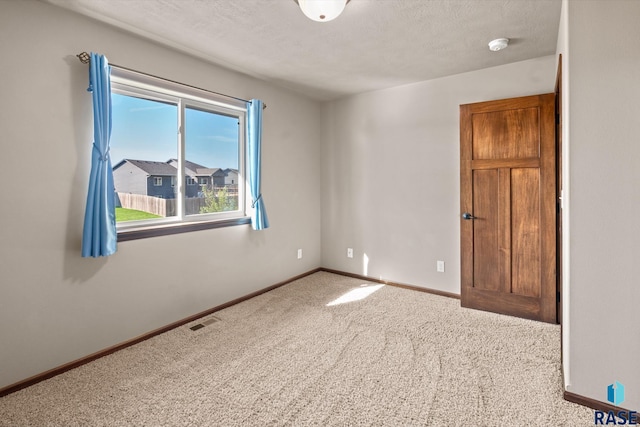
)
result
[(300, 355)]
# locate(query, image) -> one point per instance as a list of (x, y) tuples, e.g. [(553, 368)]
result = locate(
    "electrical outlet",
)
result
[(440, 266), (299, 253), (349, 252)]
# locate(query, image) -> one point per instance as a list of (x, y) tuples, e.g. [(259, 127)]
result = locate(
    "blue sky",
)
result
[(147, 130)]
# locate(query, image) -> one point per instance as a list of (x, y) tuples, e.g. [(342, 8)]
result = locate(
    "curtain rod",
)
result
[(85, 58)]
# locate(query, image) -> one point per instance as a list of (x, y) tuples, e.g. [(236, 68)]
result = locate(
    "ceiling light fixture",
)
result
[(322, 10), (498, 44)]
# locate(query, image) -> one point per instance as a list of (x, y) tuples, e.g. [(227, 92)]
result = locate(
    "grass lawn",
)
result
[(123, 214)]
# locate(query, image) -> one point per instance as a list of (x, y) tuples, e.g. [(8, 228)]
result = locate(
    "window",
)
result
[(164, 129)]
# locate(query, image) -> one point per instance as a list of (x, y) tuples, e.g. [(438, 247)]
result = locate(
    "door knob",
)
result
[(468, 216)]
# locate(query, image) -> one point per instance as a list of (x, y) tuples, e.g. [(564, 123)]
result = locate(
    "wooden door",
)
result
[(507, 197)]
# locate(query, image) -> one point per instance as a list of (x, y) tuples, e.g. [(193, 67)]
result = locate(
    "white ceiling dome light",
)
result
[(322, 10), (498, 44)]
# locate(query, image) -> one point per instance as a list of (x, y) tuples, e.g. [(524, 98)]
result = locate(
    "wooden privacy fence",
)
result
[(162, 207)]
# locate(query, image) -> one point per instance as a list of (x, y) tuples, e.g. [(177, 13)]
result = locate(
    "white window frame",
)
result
[(131, 83), (191, 180), (156, 180), (202, 180)]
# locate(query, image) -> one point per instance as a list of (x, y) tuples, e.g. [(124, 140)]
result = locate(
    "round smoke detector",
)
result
[(498, 44)]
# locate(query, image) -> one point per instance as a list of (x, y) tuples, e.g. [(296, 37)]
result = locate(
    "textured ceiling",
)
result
[(374, 44)]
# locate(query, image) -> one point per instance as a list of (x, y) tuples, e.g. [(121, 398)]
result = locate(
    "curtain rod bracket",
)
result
[(85, 58)]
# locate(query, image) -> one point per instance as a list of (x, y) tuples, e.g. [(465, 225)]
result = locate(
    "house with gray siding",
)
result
[(231, 177), (202, 175), (157, 179), (146, 177)]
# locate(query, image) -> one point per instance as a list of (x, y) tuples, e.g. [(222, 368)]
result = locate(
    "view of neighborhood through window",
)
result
[(145, 147)]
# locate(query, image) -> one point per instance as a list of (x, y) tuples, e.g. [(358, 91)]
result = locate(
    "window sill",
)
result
[(143, 233)]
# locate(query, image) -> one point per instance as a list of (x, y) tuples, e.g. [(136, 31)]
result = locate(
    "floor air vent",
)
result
[(210, 320)]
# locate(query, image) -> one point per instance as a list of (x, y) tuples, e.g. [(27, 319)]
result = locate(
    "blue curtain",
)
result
[(99, 237), (259, 219)]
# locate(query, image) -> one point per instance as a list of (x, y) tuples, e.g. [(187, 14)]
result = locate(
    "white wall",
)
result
[(55, 306), (391, 172), (563, 49), (604, 129)]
